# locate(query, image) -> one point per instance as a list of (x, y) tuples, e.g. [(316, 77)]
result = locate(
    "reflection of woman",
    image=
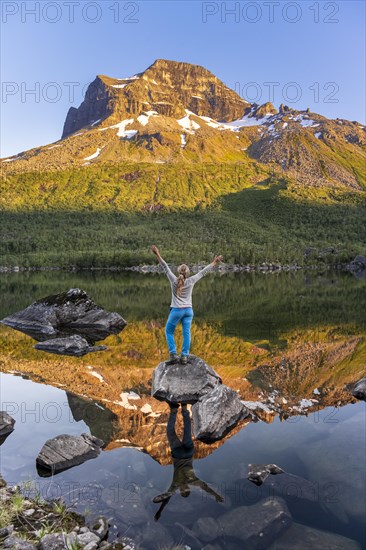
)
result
[(182, 453), (181, 304)]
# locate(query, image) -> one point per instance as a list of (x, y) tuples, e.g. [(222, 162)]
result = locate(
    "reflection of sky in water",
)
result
[(327, 447)]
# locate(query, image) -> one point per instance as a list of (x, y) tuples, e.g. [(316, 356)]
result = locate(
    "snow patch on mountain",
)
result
[(94, 155), (305, 121), (187, 123), (144, 118), (122, 132), (134, 77)]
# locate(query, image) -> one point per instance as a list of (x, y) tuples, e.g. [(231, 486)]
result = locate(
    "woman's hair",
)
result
[(183, 273)]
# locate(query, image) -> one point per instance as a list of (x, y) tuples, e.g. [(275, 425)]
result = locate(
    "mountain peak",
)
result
[(167, 87)]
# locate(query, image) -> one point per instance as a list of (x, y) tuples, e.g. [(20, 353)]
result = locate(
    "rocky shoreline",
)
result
[(147, 268), (35, 524)]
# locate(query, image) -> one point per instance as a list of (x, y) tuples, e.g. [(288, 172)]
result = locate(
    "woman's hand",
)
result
[(155, 250), (217, 260)]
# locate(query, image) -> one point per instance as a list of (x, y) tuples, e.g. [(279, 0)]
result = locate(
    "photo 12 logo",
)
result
[(289, 92), (269, 12), (71, 12)]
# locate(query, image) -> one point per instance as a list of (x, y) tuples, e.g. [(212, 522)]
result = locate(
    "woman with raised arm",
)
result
[(181, 304)]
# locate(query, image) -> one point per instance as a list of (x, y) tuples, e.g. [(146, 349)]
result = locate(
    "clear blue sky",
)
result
[(318, 45)]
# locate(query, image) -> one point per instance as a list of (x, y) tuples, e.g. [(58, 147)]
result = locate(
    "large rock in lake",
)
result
[(62, 315), (65, 451), (216, 413), (256, 526), (6, 425), (183, 383), (359, 391), (74, 345)]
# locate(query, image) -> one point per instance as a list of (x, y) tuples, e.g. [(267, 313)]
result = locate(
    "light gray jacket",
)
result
[(185, 298)]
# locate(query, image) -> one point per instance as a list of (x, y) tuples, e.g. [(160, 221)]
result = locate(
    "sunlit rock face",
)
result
[(70, 317), (166, 87)]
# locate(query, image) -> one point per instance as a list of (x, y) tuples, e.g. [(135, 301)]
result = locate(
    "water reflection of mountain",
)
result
[(279, 338), (102, 422), (313, 365)]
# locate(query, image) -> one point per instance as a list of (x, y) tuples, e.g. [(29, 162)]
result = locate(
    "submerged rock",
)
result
[(65, 451), (293, 487), (183, 383), (257, 526), (74, 345), (216, 413), (127, 504), (66, 314), (6, 425), (359, 391), (206, 529), (301, 537), (258, 473)]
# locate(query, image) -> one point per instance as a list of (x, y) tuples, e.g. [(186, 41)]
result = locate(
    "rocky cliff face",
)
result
[(98, 104), (166, 87)]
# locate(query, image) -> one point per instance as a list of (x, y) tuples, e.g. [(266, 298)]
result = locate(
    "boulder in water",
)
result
[(359, 391), (65, 451), (256, 526), (6, 425), (183, 383), (216, 413), (258, 473), (66, 314)]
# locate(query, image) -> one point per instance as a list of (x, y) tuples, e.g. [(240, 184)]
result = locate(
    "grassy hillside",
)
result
[(128, 186), (92, 218)]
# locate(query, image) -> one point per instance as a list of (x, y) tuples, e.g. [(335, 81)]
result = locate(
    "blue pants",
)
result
[(185, 316)]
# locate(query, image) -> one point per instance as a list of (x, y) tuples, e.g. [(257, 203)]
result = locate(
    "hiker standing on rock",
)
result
[(181, 304)]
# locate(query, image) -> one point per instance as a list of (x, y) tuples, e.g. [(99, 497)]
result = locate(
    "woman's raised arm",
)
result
[(192, 280), (164, 265)]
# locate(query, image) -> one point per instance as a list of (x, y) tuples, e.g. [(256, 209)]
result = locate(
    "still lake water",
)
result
[(247, 327)]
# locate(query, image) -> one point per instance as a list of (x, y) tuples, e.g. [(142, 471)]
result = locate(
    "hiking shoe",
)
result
[(173, 358), (184, 359)]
